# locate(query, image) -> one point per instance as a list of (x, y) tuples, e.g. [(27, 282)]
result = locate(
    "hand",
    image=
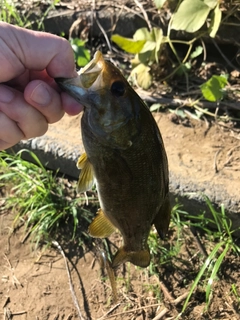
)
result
[(29, 97)]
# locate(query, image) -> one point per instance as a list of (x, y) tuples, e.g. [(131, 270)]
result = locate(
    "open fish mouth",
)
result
[(92, 70), (86, 77)]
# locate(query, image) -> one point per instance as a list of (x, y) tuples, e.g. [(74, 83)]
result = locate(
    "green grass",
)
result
[(24, 18), (218, 244), (39, 198)]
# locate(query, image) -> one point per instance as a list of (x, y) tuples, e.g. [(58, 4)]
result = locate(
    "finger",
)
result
[(45, 99), (70, 105), (29, 120), (10, 134), (22, 81), (26, 49)]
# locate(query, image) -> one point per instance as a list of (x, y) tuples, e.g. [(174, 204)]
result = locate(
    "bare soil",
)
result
[(35, 283)]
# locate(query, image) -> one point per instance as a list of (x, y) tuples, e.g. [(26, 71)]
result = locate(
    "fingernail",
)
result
[(6, 95), (41, 95)]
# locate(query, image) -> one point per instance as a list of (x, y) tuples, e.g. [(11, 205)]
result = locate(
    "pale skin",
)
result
[(29, 97)]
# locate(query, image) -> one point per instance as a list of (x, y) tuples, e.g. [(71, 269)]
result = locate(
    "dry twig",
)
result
[(14, 278), (129, 311), (215, 161), (174, 302), (110, 311), (75, 301), (166, 293), (144, 14)]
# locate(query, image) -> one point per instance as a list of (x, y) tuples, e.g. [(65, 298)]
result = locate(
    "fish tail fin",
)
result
[(138, 258), (162, 219)]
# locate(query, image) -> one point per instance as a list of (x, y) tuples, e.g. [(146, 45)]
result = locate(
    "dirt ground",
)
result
[(35, 284)]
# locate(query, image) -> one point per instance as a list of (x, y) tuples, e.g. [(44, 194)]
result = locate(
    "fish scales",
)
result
[(128, 186), (126, 155)]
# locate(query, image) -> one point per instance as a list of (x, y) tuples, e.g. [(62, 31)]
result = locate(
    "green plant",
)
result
[(212, 90), (159, 3), (82, 55), (153, 290), (147, 45), (225, 243), (192, 14), (11, 14), (203, 274), (38, 197), (236, 292)]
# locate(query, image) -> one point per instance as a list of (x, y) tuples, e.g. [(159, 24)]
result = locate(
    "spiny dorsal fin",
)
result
[(86, 178), (101, 227)]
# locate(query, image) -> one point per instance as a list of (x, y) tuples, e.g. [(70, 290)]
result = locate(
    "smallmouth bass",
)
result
[(125, 157)]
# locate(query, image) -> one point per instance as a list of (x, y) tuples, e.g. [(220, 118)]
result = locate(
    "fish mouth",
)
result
[(78, 87), (92, 70)]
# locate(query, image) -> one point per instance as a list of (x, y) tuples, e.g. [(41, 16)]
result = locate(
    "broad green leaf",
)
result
[(146, 57), (215, 22), (142, 34), (159, 3), (148, 46), (191, 15), (150, 50), (127, 44), (212, 89), (141, 73), (211, 3), (82, 55), (198, 50), (83, 58)]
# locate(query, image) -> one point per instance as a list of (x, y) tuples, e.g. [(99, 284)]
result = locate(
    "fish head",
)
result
[(108, 99)]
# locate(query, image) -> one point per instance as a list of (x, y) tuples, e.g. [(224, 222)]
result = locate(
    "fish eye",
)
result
[(118, 88)]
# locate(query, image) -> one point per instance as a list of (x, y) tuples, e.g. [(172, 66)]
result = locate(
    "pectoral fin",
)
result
[(138, 258), (101, 226), (86, 178), (162, 219)]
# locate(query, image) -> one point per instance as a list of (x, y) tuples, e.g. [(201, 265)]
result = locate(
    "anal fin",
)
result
[(101, 226)]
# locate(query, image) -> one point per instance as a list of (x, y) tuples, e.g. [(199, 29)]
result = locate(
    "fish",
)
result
[(124, 156)]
